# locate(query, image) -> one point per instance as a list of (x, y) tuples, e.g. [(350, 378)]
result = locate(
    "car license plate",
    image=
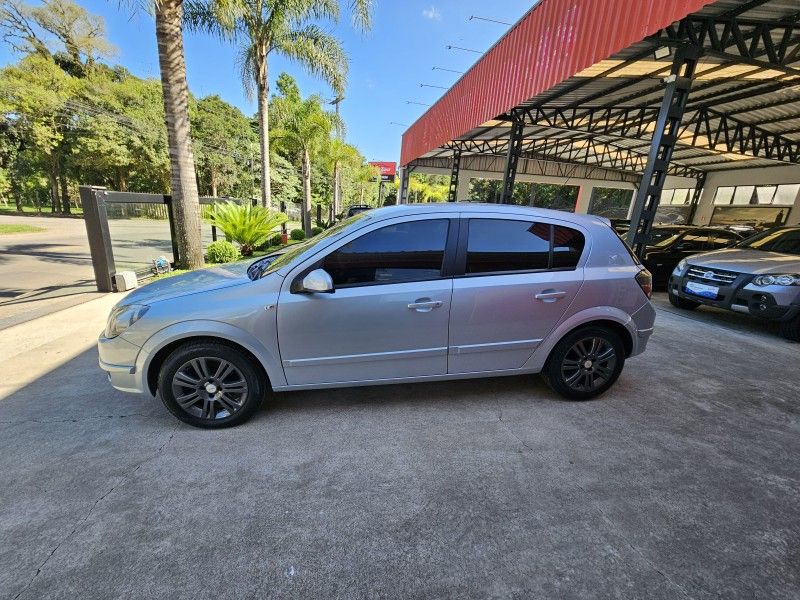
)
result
[(700, 289)]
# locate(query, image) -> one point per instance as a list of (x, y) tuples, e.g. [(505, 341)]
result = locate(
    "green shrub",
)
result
[(247, 225), (276, 240), (316, 230), (222, 251), (297, 234)]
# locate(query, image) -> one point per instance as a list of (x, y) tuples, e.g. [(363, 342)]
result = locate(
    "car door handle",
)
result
[(425, 305), (550, 295)]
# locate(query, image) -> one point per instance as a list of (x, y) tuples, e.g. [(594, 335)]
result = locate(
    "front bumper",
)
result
[(117, 357), (775, 303)]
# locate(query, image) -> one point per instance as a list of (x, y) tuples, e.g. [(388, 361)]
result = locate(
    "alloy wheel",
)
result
[(209, 388), (588, 364)]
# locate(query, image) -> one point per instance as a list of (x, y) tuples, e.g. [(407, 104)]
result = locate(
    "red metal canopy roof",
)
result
[(554, 41)]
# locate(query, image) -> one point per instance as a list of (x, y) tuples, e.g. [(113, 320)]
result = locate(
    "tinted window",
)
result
[(693, 241), (496, 245), (567, 247), (403, 252), (778, 240)]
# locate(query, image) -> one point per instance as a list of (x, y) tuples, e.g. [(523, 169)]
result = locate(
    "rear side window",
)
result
[(567, 247), (496, 245), (411, 251), (502, 246)]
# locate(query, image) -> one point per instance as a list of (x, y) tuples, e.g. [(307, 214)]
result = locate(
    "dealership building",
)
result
[(688, 109)]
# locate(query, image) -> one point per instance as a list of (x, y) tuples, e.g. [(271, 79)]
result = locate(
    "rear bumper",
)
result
[(117, 357), (643, 320)]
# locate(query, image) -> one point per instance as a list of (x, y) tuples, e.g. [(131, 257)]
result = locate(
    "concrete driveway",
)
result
[(683, 482)]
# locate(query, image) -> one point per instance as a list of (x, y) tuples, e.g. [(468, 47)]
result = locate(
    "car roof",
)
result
[(388, 212)]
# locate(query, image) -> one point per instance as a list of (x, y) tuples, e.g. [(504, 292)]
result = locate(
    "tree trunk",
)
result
[(185, 200), (55, 203), (65, 207), (213, 186), (337, 189), (307, 193), (262, 84)]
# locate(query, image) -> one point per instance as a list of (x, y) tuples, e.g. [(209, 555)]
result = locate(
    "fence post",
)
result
[(172, 236), (96, 219)]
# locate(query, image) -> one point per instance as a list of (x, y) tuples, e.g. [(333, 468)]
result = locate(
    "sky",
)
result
[(387, 65)]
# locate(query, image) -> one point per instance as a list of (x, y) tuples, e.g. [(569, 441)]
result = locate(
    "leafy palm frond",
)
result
[(247, 225), (319, 52)]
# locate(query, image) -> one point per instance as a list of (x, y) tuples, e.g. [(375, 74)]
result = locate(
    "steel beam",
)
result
[(665, 136), (452, 194), (512, 158)]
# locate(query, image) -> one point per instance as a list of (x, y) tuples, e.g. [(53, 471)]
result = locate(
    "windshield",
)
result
[(786, 241), (273, 262)]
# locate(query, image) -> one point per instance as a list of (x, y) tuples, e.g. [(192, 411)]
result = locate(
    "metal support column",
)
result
[(698, 192), (96, 219), (452, 195), (402, 194), (665, 136), (512, 158)]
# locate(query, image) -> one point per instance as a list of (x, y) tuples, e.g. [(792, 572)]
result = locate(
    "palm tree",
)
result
[(185, 200), (340, 155), (285, 27), (303, 127)]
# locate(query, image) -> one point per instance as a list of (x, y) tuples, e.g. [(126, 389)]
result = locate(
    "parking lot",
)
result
[(682, 482)]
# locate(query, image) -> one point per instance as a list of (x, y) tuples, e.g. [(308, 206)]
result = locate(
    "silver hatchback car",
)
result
[(398, 294)]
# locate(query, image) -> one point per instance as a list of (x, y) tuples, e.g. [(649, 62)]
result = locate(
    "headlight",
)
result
[(787, 279), (122, 317), (681, 266)]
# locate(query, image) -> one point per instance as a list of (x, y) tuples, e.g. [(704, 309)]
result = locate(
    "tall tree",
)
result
[(288, 28), (302, 127), (185, 199)]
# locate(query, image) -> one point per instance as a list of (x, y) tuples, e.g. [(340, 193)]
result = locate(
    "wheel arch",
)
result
[(159, 346), (614, 319)]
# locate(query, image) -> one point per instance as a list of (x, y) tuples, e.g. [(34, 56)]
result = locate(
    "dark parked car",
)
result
[(671, 244), (357, 208)]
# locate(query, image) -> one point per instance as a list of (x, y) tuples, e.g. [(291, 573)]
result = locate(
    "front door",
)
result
[(388, 316), (519, 277)]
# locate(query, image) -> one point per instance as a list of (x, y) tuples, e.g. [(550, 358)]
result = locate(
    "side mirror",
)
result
[(317, 281)]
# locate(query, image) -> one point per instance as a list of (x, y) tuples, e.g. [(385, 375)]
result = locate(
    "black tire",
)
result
[(225, 398), (682, 303), (791, 329), (566, 363)]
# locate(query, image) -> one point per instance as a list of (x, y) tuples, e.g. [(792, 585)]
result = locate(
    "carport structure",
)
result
[(636, 93)]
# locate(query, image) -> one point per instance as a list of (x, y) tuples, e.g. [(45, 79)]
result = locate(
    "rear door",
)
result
[(515, 279)]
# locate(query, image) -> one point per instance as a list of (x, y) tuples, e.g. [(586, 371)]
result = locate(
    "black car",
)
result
[(670, 244), (357, 208)]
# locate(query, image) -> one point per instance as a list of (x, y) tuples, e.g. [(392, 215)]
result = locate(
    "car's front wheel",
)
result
[(682, 303), (211, 385), (585, 363), (791, 329)]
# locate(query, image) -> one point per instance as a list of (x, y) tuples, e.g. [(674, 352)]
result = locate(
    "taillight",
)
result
[(645, 281)]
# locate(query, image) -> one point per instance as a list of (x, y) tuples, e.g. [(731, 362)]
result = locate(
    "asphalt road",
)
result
[(50, 270), (682, 482)]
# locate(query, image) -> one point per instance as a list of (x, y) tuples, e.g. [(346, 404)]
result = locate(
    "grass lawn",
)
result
[(4, 229), (30, 211)]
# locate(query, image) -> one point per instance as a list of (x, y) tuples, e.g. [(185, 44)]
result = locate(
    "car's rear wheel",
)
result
[(211, 385), (682, 303), (585, 363), (791, 329)]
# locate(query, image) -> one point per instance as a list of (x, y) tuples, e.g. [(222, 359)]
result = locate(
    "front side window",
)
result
[(411, 251)]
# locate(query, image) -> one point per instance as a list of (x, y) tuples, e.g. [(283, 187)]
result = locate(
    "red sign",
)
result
[(388, 170)]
